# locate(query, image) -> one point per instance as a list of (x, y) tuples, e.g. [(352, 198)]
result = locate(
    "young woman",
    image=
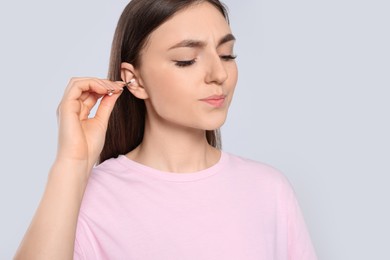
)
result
[(162, 188)]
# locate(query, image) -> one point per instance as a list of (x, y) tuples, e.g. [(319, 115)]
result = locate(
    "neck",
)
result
[(174, 149)]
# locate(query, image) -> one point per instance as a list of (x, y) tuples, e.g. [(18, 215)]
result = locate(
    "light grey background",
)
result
[(312, 100)]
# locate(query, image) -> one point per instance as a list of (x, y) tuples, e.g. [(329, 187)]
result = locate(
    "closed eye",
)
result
[(184, 63), (228, 57)]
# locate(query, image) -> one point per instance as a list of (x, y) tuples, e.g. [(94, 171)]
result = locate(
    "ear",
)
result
[(135, 85)]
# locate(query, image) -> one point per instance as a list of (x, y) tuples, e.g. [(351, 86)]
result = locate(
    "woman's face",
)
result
[(187, 69)]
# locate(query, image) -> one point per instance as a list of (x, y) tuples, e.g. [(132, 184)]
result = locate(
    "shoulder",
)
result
[(251, 166), (257, 171), (110, 166), (108, 175)]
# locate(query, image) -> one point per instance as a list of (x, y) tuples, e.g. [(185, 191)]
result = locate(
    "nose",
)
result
[(217, 73)]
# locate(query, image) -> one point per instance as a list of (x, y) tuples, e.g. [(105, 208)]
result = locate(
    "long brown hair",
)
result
[(137, 21)]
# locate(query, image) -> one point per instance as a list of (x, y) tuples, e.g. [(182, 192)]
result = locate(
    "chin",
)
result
[(214, 124)]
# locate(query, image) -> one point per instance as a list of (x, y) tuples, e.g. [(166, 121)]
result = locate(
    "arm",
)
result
[(52, 231)]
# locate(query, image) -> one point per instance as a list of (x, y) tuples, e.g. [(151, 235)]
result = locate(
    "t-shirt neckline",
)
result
[(171, 176)]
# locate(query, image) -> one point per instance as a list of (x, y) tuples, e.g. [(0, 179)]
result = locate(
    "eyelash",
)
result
[(186, 63), (228, 57)]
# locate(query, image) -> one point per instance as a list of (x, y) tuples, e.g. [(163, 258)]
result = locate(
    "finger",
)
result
[(87, 104), (110, 85), (71, 84), (90, 99), (80, 89), (113, 87), (104, 110), (78, 86)]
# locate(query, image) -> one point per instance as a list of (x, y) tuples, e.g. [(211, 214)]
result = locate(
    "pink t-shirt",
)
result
[(237, 209)]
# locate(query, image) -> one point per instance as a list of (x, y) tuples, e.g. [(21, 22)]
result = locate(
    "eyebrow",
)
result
[(200, 44)]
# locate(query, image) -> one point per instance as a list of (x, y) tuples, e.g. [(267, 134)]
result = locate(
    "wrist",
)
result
[(73, 170)]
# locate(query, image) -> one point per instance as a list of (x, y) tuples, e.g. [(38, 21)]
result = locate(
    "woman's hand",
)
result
[(81, 138), (52, 232)]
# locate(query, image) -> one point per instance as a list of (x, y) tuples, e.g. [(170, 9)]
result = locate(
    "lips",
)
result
[(215, 100)]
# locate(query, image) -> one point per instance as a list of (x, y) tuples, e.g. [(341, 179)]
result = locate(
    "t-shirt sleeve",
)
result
[(300, 246), (84, 246), (78, 253)]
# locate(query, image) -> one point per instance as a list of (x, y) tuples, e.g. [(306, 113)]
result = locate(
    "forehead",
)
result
[(201, 21)]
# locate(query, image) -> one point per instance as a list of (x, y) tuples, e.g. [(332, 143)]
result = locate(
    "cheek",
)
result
[(232, 79), (169, 90), (155, 81), (233, 72)]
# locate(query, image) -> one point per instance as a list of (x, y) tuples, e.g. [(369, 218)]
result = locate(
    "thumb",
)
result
[(106, 106)]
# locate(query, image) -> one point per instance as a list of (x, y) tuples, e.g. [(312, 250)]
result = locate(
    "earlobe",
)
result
[(130, 76)]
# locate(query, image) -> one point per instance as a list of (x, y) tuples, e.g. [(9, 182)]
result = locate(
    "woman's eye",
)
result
[(184, 63), (228, 57)]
